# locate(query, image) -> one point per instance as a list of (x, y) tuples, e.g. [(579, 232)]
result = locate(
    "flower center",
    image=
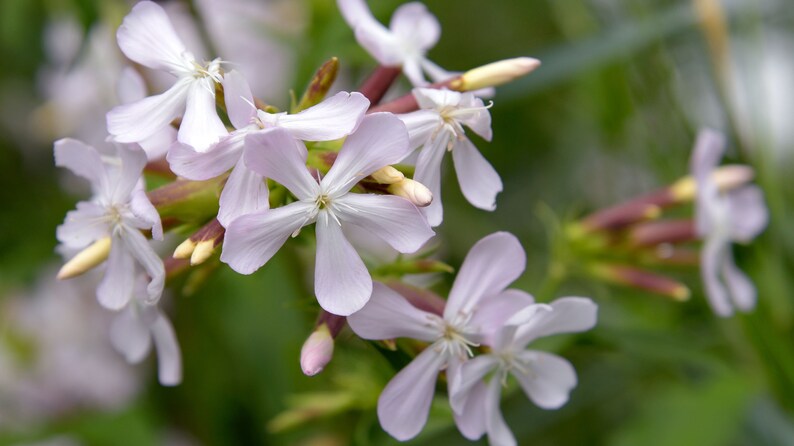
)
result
[(210, 69)]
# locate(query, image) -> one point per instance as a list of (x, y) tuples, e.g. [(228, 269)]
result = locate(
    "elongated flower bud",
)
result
[(86, 259), (495, 74), (642, 279), (387, 175), (201, 245), (319, 85), (726, 178), (317, 351), (667, 231), (413, 191)]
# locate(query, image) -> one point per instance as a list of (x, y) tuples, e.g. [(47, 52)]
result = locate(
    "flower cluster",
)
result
[(247, 177)]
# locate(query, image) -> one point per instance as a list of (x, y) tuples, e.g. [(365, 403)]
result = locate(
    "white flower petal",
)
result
[(479, 121), (186, 162), (342, 282), (129, 177), (169, 356), (499, 433), (394, 219), (331, 119), (709, 148), (380, 140), (471, 419), (130, 336), (201, 127), (251, 240), (412, 24), (413, 71), (139, 247), (131, 86), (471, 373), (388, 315), (143, 209), (370, 33), (748, 213), (117, 286), (740, 287), (420, 125), (568, 315), (275, 154), (404, 404), (492, 264), (83, 226), (428, 172), (82, 160), (478, 180), (245, 192), (712, 256), (239, 99), (494, 312), (157, 145), (147, 37), (140, 120), (549, 378)]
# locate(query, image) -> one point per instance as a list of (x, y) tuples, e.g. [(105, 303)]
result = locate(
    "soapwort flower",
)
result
[(721, 218), (110, 224), (478, 304), (342, 283), (147, 37), (245, 190), (438, 127)]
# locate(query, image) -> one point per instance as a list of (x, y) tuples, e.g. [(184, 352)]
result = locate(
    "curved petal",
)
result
[(186, 162), (709, 148), (331, 119), (568, 315), (146, 36), (143, 209), (342, 282), (239, 99), (275, 154), (413, 25), (499, 433), (404, 404), (140, 120), (82, 160), (472, 372), (494, 312), (139, 247), (169, 356), (116, 288), (741, 289), (412, 69), (420, 125), (428, 172), (388, 315), (130, 336), (157, 145), (478, 180), (712, 257), (548, 380), (394, 219), (251, 240), (245, 192), (471, 419), (131, 86), (133, 160), (480, 120), (380, 140), (749, 215), (201, 127), (82, 226), (492, 264)]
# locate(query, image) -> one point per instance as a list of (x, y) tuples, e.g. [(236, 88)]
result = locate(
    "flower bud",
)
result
[(495, 74), (726, 178), (387, 175), (667, 231), (317, 351), (185, 249), (413, 191), (86, 259), (642, 279), (200, 246), (319, 85)]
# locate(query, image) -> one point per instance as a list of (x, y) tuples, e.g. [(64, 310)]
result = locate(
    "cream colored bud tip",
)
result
[(317, 351), (497, 73), (202, 252), (388, 175), (414, 191), (185, 249), (86, 259), (681, 293)]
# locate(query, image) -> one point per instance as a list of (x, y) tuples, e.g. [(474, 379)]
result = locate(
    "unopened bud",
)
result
[(185, 249), (86, 259), (726, 178), (667, 231), (319, 85), (203, 251), (413, 191), (317, 351), (387, 175), (200, 246), (495, 74), (642, 279)]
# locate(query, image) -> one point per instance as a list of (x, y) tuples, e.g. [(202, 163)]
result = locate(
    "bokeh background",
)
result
[(613, 112)]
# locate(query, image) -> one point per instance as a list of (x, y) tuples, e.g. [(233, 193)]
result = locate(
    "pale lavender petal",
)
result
[(372, 35), (139, 247), (245, 192), (568, 315), (479, 122), (186, 162), (414, 25), (388, 315), (117, 286), (494, 312), (709, 148), (140, 120), (275, 154), (394, 219), (413, 71), (712, 257), (239, 99), (478, 180), (133, 160), (342, 282), (740, 287), (548, 380), (143, 209), (428, 172), (130, 336), (82, 160), (748, 213), (82, 226), (471, 373), (146, 36), (421, 125), (404, 404), (331, 119), (472, 418), (436, 98), (157, 145), (499, 433), (491, 265), (251, 240), (201, 127), (131, 86), (169, 356), (380, 140)]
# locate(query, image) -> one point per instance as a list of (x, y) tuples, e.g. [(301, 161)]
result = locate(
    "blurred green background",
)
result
[(613, 111)]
